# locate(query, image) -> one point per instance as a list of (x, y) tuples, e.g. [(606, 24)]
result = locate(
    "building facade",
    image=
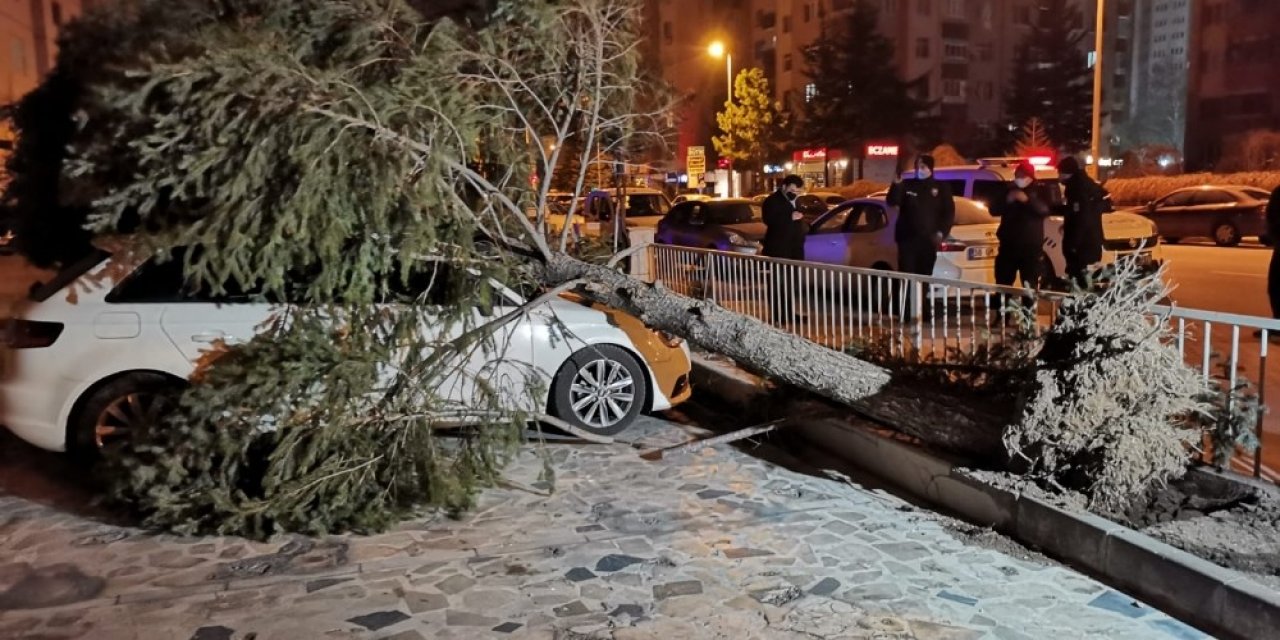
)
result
[(1234, 81), (960, 52), (29, 44)]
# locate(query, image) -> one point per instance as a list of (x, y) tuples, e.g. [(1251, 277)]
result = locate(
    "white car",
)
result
[(859, 233), (1124, 234), (95, 349)]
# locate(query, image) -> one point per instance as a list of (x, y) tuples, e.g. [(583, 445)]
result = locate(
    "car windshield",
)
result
[(734, 212)]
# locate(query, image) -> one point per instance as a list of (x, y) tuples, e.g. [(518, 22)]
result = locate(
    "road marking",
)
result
[(1238, 273)]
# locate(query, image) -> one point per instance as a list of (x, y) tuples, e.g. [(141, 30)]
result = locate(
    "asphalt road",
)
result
[(1227, 279)]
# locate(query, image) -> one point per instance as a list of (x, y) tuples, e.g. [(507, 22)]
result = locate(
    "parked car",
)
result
[(102, 344), (859, 233), (691, 197), (733, 224), (1125, 234), (1224, 213), (816, 203)]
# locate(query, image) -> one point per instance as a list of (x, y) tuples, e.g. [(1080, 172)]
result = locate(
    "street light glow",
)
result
[(716, 49)]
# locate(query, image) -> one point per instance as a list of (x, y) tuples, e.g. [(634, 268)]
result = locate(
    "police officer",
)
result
[(1082, 224), (784, 234), (1021, 233), (926, 213)]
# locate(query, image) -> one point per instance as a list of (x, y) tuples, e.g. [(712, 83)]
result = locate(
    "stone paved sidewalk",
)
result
[(717, 544)]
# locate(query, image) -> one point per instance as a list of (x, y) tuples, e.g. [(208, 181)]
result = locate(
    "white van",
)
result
[(1125, 234)]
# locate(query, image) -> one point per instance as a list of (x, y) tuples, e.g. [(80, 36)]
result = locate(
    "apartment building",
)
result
[(1234, 80), (29, 45)]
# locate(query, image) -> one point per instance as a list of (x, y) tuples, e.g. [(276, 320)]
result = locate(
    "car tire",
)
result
[(1172, 240), (1266, 240), (1226, 235), (574, 392), (114, 409)]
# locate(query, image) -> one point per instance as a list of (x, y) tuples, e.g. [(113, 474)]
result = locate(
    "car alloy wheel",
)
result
[(602, 393), (1226, 235), (127, 414), (600, 389)]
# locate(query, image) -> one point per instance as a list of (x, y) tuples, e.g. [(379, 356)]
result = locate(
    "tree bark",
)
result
[(944, 420)]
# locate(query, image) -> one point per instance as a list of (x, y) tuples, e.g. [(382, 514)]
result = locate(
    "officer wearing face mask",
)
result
[(1082, 220), (1021, 233), (784, 234), (926, 213)]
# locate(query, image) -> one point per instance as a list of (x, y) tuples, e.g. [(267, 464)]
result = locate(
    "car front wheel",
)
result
[(600, 389)]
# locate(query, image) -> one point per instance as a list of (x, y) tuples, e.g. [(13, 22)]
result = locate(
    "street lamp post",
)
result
[(718, 50), (1095, 141)]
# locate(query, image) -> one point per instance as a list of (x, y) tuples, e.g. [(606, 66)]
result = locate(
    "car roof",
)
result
[(1002, 171)]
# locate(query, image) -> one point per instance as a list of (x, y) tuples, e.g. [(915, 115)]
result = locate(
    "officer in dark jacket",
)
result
[(1021, 232), (1273, 232), (784, 234), (1082, 220), (926, 213), (784, 226)]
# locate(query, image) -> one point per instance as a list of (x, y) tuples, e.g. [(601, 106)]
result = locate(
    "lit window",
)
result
[(810, 91)]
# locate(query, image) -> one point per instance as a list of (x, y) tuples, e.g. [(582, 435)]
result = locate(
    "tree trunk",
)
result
[(950, 422)]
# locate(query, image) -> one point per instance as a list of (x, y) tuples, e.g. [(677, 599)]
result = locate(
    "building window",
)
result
[(810, 90), (786, 62), (955, 50), (955, 8), (922, 48), (953, 88), (786, 24), (55, 10), (924, 7), (666, 33), (808, 12)]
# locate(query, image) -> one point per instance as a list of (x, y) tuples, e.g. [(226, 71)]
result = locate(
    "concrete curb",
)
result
[(1218, 600)]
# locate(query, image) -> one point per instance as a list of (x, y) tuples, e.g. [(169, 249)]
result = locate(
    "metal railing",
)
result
[(924, 317)]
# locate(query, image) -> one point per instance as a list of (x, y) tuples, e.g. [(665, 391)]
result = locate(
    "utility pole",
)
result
[(1095, 142)]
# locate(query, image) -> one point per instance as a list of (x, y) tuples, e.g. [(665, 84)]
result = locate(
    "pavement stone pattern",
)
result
[(714, 544)]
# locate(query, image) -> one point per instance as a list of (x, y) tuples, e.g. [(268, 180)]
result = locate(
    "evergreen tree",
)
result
[(748, 122), (856, 92), (1051, 78), (1032, 139)]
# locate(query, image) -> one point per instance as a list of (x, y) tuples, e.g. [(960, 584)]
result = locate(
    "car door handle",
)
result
[(209, 336)]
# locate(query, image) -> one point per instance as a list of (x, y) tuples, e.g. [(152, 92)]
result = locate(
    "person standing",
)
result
[(1273, 272), (1082, 220), (926, 212), (1021, 232), (783, 238)]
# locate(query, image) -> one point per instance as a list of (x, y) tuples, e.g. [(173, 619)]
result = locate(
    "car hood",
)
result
[(748, 230), (1116, 226)]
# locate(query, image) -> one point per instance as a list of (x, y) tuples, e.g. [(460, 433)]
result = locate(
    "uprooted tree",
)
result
[(341, 154)]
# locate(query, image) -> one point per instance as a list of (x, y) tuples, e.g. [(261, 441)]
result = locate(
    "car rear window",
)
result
[(67, 275), (734, 213), (970, 212)]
